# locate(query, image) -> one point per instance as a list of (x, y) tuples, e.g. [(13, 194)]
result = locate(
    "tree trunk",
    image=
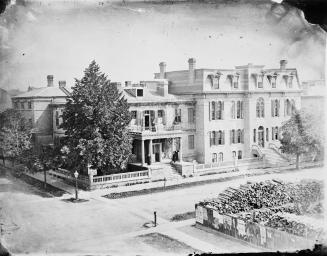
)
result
[(45, 178), (297, 161)]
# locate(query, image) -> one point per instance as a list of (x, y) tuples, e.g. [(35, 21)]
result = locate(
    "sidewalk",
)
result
[(190, 181)]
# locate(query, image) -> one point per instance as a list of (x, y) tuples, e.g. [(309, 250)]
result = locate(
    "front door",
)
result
[(261, 137), (157, 152)]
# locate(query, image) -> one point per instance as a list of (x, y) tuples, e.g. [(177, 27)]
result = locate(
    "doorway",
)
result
[(156, 149), (261, 137)]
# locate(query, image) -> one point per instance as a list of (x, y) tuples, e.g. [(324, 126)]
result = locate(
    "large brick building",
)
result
[(207, 115)]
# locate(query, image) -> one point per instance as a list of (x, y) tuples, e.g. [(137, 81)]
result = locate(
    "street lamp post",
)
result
[(76, 191)]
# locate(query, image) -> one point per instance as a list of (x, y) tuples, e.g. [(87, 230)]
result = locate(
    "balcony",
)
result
[(159, 130)]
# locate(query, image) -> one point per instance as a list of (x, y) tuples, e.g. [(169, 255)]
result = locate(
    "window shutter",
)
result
[(210, 141), (242, 109), (285, 103), (223, 138), (230, 137), (272, 133), (232, 110), (272, 108), (222, 110), (242, 136), (209, 110), (278, 107)]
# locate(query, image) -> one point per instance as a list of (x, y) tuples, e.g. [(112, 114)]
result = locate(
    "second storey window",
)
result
[(239, 113), (191, 142), (178, 115), (190, 115), (260, 108), (275, 108), (57, 118), (217, 138), (29, 105), (22, 106), (216, 110)]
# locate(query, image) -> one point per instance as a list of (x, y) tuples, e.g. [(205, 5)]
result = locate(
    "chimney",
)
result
[(128, 83), (191, 68), (162, 66), (50, 80), (283, 64), (62, 84)]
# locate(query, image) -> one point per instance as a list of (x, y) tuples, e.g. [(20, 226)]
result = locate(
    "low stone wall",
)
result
[(188, 169), (252, 233)]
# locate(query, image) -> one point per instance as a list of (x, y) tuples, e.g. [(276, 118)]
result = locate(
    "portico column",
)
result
[(150, 149), (142, 152), (180, 150)]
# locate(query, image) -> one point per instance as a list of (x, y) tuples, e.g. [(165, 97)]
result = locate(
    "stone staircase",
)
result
[(164, 170), (274, 158)]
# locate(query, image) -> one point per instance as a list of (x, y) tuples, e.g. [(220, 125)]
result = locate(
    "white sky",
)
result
[(128, 41)]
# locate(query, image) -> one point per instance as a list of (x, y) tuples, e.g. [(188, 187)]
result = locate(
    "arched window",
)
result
[(260, 107), (239, 135), (220, 157), (276, 108), (288, 107), (234, 154), (239, 155), (276, 133)]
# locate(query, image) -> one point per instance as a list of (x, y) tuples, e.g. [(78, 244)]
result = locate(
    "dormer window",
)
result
[(139, 92), (235, 80), (290, 82), (272, 80)]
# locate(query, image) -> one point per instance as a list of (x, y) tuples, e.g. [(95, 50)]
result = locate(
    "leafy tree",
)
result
[(15, 134), (301, 135), (47, 159), (95, 120)]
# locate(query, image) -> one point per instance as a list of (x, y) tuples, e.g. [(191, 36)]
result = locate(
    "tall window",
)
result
[(260, 81), (254, 135), (239, 155), (217, 109), (30, 122), (239, 136), (178, 115), (220, 138), (220, 157), (214, 158), (190, 115), (29, 105), (57, 119), (22, 105), (276, 133), (260, 108), (267, 134), (232, 136), (233, 110), (293, 107), (234, 154), (217, 138), (238, 115), (275, 108), (287, 107), (191, 142)]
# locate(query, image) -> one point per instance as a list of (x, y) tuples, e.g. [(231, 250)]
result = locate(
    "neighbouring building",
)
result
[(205, 115), (42, 107), (313, 96)]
